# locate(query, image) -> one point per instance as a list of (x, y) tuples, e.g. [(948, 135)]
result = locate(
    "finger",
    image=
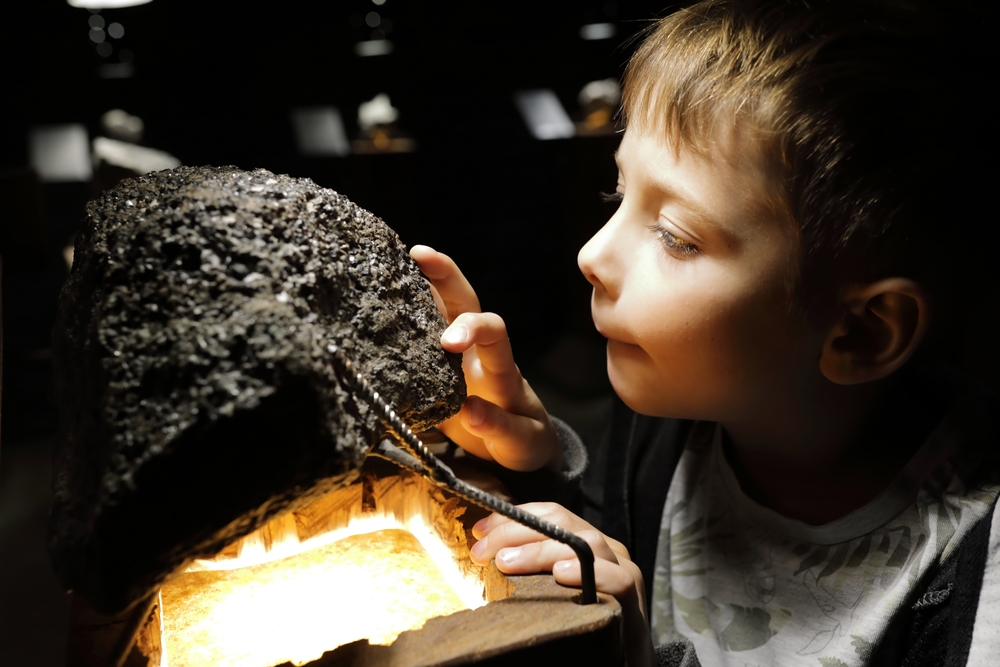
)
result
[(518, 552), (551, 512), (454, 428), (491, 370), (611, 578), (517, 442), (454, 288), (624, 582)]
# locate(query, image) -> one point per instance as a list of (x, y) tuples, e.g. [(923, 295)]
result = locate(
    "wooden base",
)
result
[(526, 617)]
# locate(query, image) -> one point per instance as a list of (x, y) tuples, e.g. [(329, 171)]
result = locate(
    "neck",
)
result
[(826, 451)]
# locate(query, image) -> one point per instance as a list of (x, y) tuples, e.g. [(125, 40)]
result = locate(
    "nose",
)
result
[(597, 259)]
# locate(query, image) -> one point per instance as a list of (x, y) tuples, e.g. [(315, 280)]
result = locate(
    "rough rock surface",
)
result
[(196, 394)]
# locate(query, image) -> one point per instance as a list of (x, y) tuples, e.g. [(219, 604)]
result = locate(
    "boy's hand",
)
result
[(519, 550), (502, 419)]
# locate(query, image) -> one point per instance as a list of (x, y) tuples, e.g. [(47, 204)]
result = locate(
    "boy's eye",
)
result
[(674, 244), (611, 197)]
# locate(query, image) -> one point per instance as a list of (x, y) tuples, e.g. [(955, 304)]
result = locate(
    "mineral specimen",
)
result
[(196, 393)]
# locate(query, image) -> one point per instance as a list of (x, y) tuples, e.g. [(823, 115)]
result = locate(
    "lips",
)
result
[(598, 315), (612, 336)]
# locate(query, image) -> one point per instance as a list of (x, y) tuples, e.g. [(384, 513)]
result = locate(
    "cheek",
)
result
[(702, 352)]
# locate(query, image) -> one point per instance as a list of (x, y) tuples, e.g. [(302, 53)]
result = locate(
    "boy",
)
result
[(796, 481)]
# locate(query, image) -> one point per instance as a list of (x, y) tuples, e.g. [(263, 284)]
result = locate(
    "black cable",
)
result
[(441, 475)]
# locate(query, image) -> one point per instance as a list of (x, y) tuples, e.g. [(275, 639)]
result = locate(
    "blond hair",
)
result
[(839, 97)]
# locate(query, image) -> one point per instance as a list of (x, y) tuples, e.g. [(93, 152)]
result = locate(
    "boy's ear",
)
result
[(879, 328)]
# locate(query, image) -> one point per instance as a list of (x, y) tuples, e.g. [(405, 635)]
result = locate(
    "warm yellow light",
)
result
[(275, 598), (371, 586)]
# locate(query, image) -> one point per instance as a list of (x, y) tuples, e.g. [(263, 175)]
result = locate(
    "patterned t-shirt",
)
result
[(748, 586)]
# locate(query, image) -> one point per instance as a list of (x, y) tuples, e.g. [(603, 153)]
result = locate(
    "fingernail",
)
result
[(562, 566), (455, 334), (510, 555), (482, 526), (477, 412), (479, 548)]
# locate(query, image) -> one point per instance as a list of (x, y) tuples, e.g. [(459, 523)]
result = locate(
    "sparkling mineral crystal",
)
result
[(196, 392)]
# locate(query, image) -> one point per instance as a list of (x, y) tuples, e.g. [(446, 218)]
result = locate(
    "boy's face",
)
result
[(691, 284)]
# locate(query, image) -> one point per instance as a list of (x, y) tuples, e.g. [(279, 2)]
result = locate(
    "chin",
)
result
[(633, 394), (631, 379)]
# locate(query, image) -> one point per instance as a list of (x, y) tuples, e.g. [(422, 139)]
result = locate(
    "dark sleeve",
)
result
[(641, 456), (574, 452)]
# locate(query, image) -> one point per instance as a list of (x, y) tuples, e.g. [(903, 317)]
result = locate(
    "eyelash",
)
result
[(670, 242), (674, 244), (611, 197)]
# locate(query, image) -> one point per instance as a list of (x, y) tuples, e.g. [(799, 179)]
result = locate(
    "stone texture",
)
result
[(196, 395)]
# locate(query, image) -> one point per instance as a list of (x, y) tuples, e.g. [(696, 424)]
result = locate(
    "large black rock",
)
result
[(196, 392)]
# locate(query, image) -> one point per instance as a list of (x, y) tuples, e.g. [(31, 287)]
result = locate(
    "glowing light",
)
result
[(274, 598), (104, 49), (544, 114), (605, 90), (106, 4), (60, 152), (254, 552), (96, 21), (593, 31), (119, 124), (377, 111), (379, 2), (139, 159), (374, 47), (96, 35), (296, 610), (372, 19), (116, 30), (320, 131)]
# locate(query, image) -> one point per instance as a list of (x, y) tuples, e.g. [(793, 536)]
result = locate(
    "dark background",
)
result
[(214, 83)]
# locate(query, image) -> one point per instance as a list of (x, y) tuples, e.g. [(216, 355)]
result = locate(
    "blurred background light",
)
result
[(121, 125), (598, 31), (373, 19), (319, 131), (139, 159), (603, 90), (374, 47), (106, 4), (60, 153), (544, 114), (377, 111), (122, 70), (104, 49), (96, 35), (116, 30), (96, 21)]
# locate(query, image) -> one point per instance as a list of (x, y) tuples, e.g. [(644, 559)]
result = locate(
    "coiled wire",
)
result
[(441, 475)]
